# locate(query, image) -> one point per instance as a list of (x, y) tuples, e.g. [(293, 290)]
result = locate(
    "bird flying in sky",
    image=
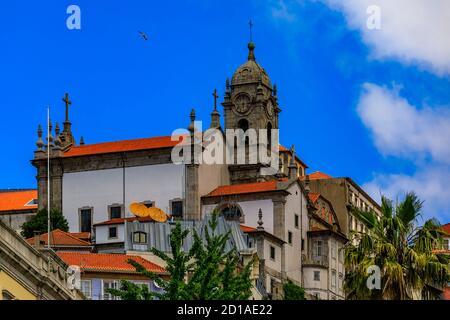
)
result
[(143, 35)]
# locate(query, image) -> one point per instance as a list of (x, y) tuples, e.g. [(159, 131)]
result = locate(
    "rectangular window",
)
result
[(149, 204), (112, 232), (109, 285), (289, 237), (86, 288), (296, 220), (115, 212), (333, 250), (316, 275), (86, 220), (272, 253), (177, 208), (318, 250), (303, 244), (333, 278)]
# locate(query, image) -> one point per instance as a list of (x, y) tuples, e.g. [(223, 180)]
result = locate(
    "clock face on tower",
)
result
[(269, 108), (242, 103)]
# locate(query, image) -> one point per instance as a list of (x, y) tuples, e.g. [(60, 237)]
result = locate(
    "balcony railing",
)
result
[(315, 260)]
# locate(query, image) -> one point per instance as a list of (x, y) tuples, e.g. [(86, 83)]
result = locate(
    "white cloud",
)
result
[(282, 11), (412, 31), (400, 129), (403, 130), (431, 184)]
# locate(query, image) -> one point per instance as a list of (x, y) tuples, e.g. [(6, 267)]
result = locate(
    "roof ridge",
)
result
[(114, 141)]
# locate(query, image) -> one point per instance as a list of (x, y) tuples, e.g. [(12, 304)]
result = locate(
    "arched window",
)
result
[(231, 212), (139, 237), (269, 135), (243, 124)]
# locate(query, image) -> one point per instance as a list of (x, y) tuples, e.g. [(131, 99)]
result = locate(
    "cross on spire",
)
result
[(67, 103), (250, 24), (215, 99)]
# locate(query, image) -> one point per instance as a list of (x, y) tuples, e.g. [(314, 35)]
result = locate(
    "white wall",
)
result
[(102, 234), (295, 204), (100, 188)]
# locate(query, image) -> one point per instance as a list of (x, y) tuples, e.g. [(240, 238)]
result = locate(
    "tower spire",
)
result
[(251, 44)]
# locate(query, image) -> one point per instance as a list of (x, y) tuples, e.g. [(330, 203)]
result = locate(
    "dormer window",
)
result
[(140, 237)]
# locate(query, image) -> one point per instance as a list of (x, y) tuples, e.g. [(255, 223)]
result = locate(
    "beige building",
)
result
[(344, 194), (17, 207), (29, 274)]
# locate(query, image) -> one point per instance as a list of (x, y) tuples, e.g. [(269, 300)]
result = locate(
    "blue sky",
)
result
[(332, 77)]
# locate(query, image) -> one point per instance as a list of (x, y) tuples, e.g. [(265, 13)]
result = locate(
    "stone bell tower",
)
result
[(250, 102)]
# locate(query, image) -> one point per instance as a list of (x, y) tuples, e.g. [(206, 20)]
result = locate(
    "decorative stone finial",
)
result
[(251, 51), (260, 221), (57, 129), (39, 143), (58, 142), (81, 141), (191, 127), (292, 165), (50, 137), (274, 89)]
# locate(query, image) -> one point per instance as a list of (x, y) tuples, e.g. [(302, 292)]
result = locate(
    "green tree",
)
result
[(409, 268), (38, 223), (206, 272), (292, 291)]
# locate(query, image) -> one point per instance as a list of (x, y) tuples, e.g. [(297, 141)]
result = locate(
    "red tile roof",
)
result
[(316, 176), (446, 228), (122, 220), (17, 200), (59, 238), (313, 196), (122, 146), (81, 235), (102, 262), (247, 228), (244, 188)]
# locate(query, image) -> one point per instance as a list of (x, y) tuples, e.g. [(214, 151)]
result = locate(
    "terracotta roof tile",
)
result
[(122, 220), (446, 228), (247, 228), (313, 196), (316, 176), (107, 262), (17, 200), (244, 188), (59, 238), (122, 146), (81, 235)]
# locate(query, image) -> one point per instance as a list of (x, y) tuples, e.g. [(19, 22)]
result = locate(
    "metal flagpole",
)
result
[(48, 176)]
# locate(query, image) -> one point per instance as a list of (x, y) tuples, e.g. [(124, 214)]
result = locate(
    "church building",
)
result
[(95, 184)]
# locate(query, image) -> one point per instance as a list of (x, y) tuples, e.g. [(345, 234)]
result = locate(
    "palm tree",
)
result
[(403, 251)]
